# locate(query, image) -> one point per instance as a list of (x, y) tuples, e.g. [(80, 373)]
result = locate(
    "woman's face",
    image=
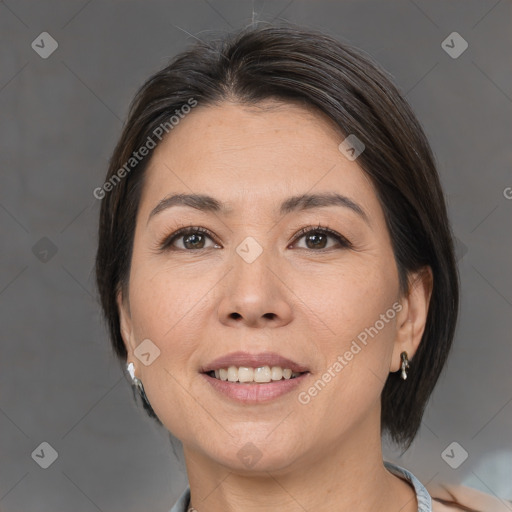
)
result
[(257, 284)]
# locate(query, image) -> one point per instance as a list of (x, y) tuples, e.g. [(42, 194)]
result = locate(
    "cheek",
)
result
[(167, 307), (166, 299), (350, 300), (360, 312)]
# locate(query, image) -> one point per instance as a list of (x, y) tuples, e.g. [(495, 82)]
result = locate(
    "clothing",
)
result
[(452, 498), (442, 498), (422, 495)]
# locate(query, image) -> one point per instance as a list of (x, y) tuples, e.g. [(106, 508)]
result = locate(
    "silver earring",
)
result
[(135, 381), (405, 364)]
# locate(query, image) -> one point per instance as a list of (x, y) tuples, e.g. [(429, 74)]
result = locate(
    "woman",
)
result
[(277, 271)]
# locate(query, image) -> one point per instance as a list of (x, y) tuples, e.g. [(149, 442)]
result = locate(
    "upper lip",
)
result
[(253, 361)]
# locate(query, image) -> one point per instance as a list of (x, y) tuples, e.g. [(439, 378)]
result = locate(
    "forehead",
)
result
[(244, 155)]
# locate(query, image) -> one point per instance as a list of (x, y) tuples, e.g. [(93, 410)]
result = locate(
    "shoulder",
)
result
[(451, 498), (454, 498)]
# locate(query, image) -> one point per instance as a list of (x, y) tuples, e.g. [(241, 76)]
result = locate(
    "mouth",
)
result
[(254, 378)]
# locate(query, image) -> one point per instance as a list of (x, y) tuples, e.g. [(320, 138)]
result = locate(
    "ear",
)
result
[(125, 323), (412, 318)]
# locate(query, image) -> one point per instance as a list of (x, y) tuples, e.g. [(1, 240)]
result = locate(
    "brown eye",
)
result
[(194, 241), (188, 239), (318, 238)]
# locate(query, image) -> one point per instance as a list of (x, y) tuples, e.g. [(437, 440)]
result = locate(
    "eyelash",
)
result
[(326, 231), (166, 243)]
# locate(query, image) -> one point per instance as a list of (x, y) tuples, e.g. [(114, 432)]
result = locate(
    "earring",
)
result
[(405, 364), (135, 381)]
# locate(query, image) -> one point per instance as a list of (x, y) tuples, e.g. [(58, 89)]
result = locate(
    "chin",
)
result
[(255, 457)]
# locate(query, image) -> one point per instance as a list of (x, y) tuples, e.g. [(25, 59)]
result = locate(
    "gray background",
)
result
[(60, 118)]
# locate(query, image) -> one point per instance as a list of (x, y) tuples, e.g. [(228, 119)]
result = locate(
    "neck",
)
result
[(349, 475)]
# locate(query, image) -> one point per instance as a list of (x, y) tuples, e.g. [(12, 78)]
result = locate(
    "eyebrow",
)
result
[(301, 202)]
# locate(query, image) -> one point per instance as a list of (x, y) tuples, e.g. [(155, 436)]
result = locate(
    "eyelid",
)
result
[(167, 241), (343, 241)]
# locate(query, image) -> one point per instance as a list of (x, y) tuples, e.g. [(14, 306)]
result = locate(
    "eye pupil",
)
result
[(192, 239), (315, 239)]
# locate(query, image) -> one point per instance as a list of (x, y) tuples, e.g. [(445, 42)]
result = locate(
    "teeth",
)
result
[(277, 373), (261, 374), (245, 374), (233, 374)]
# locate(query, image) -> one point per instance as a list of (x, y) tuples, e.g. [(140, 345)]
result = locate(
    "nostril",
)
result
[(268, 316)]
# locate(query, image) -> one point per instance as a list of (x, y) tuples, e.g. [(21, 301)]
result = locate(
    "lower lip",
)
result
[(252, 393)]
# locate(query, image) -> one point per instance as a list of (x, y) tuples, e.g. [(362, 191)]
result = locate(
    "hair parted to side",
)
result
[(295, 64)]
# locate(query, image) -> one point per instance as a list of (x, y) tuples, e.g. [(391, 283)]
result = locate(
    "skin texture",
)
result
[(304, 302)]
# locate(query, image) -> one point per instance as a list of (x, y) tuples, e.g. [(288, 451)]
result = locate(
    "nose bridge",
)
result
[(253, 293), (251, 264)]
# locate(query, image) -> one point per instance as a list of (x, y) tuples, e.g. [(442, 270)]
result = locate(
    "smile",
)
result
[(262, 374), (253, 392)]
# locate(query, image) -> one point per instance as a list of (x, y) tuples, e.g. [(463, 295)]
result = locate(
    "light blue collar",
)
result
[(422, 495)]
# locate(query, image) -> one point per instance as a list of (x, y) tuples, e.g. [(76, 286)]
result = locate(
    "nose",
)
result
[(255, 294)]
